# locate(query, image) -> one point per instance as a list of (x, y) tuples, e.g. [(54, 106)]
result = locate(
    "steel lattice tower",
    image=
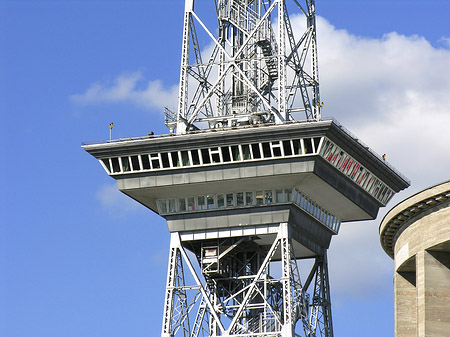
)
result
[(248, 191), (255, 70)]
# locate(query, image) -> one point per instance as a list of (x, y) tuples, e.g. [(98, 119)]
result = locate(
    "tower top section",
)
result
[(257, 65)]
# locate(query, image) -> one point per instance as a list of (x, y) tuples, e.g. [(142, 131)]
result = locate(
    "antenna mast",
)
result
[(251, 69)]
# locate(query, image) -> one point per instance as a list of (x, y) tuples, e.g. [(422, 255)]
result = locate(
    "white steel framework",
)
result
[(255, 67), (232, 292)]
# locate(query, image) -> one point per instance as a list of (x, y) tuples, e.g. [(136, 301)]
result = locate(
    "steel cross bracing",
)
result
[(259, 65), (236, 290)]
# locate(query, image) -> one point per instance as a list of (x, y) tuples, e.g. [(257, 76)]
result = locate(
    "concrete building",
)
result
[(416, 234)]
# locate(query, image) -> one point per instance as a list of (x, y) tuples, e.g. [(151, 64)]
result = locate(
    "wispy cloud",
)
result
[(130, 88), (445, 41), (115, 201)]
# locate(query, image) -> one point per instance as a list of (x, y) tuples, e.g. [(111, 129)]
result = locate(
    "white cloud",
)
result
[(115, 201), (130, 88)]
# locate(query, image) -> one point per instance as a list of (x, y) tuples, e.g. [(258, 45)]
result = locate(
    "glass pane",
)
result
[(266, 150), (162, 206), (225, 154), (135, 163), (279, 195), (256, 151), (146, 162), (288, 193), (175, 159), (210, 201), (125, 164), (287, 147), (115, 164), (230, 200), (205, 156), (201, 202), (249, 198), (240, 199), (276, 149), (195, 157), (297, 146), (215, 156), (181, 204), (259, 197), (191, 204), (185, 158), (106, 163), (308, 145), (246, 152), (172, 207), (326, 147), (165, 159), (316, 144), (220, 200), (235, 153), (268, 197)]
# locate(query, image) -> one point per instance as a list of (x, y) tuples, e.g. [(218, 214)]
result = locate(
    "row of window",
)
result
[(356, 172), (247, 199), (212, 155)]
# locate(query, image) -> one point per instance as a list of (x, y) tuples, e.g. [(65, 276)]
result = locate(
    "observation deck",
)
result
[(241, 178)]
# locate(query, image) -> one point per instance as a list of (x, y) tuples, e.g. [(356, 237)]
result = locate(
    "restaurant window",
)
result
[(276, 149), (230, 200), (205, 156), (175, 159), (235, 153), (287, 148), (165, 159), (266, 150), (246, 152), (115, 164), (210, 201), (308, 145), (135, 163), (185, 158), (256, 151), (220, 201), (268, 197), (259, 198), (146, 162), (240, 199), (201, 203), (190, 203), (297, 147), (226, 153), (195, 157), (107, 165), (215, 155), (182, 204), (249, 198), (154, 158), (125, 164)]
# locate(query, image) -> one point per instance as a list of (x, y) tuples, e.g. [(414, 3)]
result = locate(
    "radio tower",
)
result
[(250, 179)]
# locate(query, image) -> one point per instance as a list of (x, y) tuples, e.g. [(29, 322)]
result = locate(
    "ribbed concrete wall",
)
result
[(416, 233)]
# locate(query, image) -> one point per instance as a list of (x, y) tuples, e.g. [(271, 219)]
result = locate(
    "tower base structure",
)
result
[(249, 289)]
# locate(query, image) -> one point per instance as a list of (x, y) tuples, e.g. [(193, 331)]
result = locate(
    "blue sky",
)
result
[(79, 259)]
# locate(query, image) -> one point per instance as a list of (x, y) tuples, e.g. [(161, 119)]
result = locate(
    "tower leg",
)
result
[(320, 316)]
